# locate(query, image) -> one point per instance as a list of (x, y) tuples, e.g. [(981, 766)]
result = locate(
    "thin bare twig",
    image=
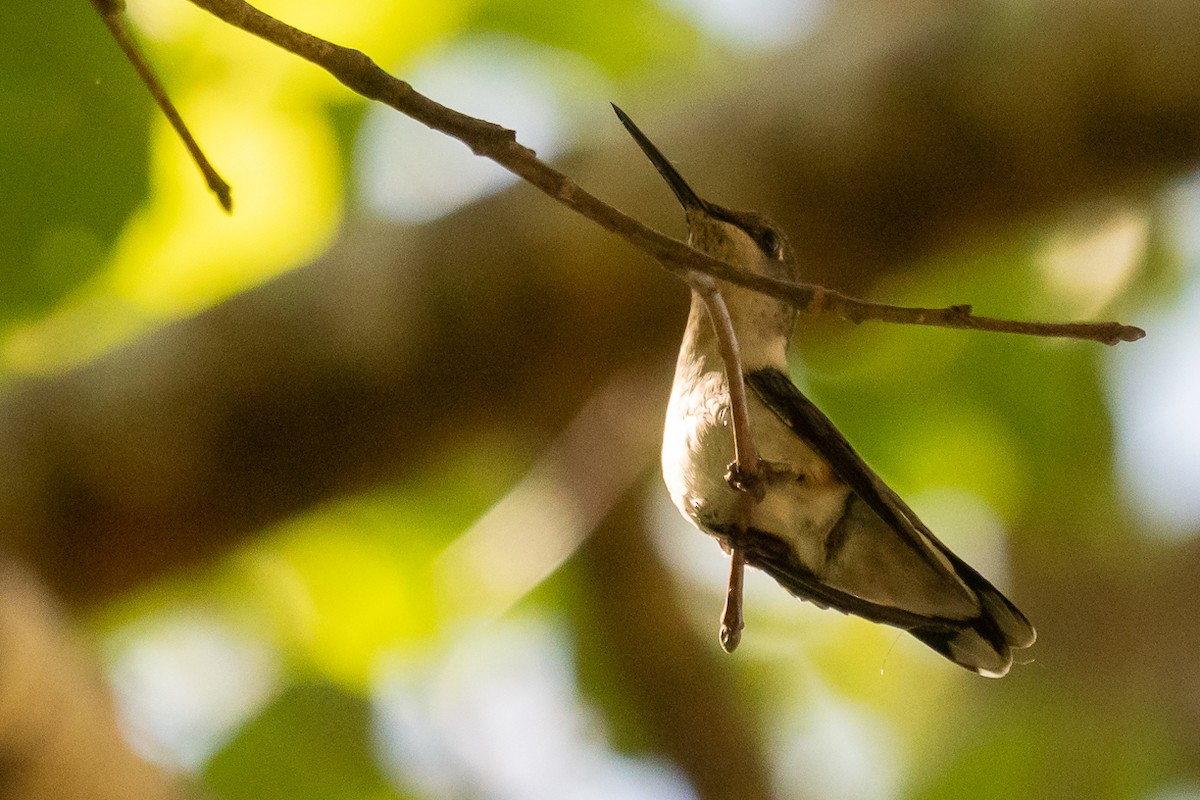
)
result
[(110, 11), (358, 72), (745, 453), (732, 619), (745, 472)]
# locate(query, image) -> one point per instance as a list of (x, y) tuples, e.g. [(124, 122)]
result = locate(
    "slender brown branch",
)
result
[(110, 11), (359, 73), (732, 618), (745, 454), (745, 472)]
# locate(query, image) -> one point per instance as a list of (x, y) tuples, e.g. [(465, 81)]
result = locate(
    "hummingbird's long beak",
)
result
[(687, 198)]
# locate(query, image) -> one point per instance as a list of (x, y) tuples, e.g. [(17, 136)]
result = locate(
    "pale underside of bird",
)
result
[(819, 521)]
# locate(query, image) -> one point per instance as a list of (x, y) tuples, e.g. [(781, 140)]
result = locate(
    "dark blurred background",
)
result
[(354, 494)]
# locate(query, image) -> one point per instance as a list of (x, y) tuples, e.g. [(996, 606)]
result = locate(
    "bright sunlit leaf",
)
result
[(183, 253), (339, 596)]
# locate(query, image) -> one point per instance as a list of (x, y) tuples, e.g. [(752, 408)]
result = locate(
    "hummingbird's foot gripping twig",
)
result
[(755, 482), (750, 481)]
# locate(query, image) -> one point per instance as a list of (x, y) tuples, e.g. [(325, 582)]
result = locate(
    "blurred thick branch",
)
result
[(683, 691), (58, 732), (895, 133)]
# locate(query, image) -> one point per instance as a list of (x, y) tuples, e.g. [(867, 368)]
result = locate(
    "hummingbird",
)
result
[(809, 511)]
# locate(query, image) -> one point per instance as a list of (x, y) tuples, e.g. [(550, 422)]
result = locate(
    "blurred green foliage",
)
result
[(313, 741), (623, 39), (73, 148), (105, 222), (1021, 751)]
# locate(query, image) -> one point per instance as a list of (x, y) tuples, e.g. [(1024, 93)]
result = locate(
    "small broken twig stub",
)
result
[(110, 12)]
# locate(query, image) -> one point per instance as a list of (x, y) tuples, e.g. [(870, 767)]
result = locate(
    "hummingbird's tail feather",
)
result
[(983, 643), (969, 648), (1010, 623)]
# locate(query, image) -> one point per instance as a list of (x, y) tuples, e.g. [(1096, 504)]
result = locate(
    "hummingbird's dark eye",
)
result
[(770, 243)]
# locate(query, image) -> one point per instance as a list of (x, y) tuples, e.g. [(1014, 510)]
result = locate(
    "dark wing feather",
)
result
[(1000, 624), (770, 554), (779, 394)]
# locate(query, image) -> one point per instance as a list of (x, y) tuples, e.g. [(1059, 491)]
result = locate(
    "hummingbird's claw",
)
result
[(754, 482), (749, 481), (730, 638)]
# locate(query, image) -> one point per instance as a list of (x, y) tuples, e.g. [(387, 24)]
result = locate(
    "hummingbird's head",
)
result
[(745, 239)]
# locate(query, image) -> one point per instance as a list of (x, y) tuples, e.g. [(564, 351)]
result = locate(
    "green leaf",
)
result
[(619, 37), (1057, 746), (312, 742), (73, 140)]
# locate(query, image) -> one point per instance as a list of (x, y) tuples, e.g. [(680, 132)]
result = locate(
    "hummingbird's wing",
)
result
[(896, 546)]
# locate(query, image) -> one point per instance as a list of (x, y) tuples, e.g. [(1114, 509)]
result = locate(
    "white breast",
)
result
[(697, 442), (697, 451)]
